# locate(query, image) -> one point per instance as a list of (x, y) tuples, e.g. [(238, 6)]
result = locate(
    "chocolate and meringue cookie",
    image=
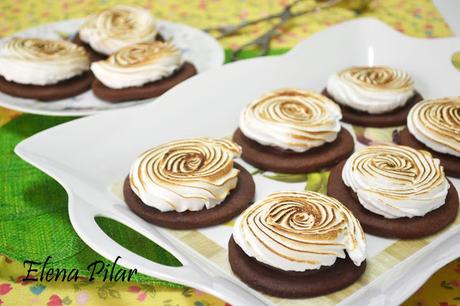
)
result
[(189, 183), (43, 69), (292, 131), (112, 29), (378, 96), (434, 125), (395, 191), (140, 71), (294, 244)]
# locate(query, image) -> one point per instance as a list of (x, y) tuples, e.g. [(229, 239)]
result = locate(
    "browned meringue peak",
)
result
[(296, 231), (378, 78), (34, 48), (143, 53), (436, 123)]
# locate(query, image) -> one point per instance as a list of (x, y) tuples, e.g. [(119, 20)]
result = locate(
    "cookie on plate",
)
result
[(434, 126), (189, 183), (140, 71), (42, 69), (379, 96), (112, 29), (297, 244), (293, 131), (395, 191)]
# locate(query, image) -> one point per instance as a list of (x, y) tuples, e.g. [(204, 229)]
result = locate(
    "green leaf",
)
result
[(317, 181), (286, 177)]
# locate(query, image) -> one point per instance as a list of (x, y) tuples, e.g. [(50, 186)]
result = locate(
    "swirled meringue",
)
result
[(396, 181), (41, 62), (188, 174), (110, 30), (291, 119), (138, 64), (298, 231), (375, 90), (436, 123)]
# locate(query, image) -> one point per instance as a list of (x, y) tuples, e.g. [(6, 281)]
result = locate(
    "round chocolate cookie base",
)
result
[(93, 54), (396, 117), (450, 163), (403, 228), (286, 161), (292, 284), (62, 90), (149, 90), (238, 200)]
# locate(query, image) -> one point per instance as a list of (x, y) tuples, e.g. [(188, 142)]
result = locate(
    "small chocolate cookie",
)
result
[(93, 54), (403, 228), (149, 90), (292, 284), (396, 117), (237, 201), (450, 163), (287, 161), (62, 90)]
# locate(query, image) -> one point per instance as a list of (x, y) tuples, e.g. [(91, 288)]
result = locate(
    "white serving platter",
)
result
[(91, 156), (197, 47)]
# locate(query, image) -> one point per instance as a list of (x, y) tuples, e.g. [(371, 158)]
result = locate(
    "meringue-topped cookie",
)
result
[(292, 131), (396, 181), (188, 176), (298, 232), (112, 29), (41, 62), (436, 123), (136, 65), (291, 119), (374, 90)]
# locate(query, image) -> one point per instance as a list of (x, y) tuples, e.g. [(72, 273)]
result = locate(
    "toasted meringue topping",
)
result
[(436, 123), (138, 64), (188, 174), (298, 231), (396, 181), (110, 30), (374, 90), (41, 62), (291, 119)]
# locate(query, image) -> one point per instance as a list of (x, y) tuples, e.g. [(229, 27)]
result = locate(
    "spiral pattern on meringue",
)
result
[(298, 231), (291, 119), (396, 181), (40, 61), (189, 174), (436, 123), (374, 90), (136, 65), (110, 30)]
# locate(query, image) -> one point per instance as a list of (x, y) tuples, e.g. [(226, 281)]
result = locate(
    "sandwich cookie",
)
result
[(140, 71), (110, 30), (434, 126), (188, 184), (43, 69), (293, 131), (395, 191), (297, 244), (378, 96)]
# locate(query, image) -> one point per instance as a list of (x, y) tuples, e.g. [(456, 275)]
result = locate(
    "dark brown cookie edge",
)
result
[(238, 200)]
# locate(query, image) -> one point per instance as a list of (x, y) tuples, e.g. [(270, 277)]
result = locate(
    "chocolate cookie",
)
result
[(450, 163), (404, 228), (62, 90), (149, 90), (94, 55), (238, 200), (396, 117), (286, 161), (292, 284)]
